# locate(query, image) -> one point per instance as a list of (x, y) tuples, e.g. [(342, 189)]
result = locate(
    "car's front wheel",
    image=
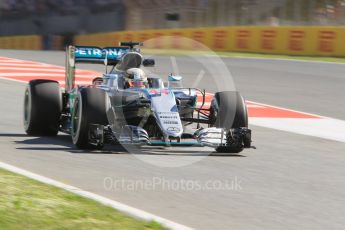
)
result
[(89, 108), (228, 110)]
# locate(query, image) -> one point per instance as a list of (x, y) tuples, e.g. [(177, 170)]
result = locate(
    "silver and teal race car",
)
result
[(126, 107)]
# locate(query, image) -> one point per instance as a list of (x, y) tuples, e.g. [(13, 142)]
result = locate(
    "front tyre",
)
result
[(228, 111), (89, 108), (42, 108)]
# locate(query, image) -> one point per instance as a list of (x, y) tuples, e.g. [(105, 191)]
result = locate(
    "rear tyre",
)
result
[(229, 111), (42, 108), (89, 108)]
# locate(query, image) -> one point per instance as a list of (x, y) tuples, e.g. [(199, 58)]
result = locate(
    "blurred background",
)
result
[(84, 16), (67, 18)]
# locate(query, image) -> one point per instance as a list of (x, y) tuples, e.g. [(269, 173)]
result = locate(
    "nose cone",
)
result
[(130, 60)]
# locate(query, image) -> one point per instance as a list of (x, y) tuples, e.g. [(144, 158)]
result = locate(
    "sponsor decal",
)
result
[(170, 122), (88, 52), (327, 41), (98, 53), (154, 93), (168, 117), (114, 52), (173, 129), (242, 39), (219, 37), (267, 39), (157, 93), (296, 40)]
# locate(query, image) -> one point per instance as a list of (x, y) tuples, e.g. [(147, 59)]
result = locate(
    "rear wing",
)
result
[(97, 55), (93, 55)]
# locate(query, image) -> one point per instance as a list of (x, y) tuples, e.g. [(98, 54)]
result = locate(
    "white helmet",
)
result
[(137, 77)]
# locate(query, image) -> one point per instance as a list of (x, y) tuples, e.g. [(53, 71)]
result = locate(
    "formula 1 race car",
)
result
[(127, 107)]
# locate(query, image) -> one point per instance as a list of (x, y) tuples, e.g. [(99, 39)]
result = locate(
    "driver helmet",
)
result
[(137, 78)]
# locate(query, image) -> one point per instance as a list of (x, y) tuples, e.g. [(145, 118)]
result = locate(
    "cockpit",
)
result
[(126, 74), (122, 81)]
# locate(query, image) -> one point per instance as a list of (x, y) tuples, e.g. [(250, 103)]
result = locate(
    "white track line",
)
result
[(40, 70), (60, 82), (47, 69), (9, 60), (134, 212), (29, 65), (40, 75), (30, 74), (174, 65), (14, 61), (20, 62), (198, 79), (328, 128)]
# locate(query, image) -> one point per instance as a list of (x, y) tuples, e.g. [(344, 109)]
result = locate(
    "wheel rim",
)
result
[(76, 118), (27, 109)]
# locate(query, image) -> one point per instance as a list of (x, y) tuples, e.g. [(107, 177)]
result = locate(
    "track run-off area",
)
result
[(293, 180)]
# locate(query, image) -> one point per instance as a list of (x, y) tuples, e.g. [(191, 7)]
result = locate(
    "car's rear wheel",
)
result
[(229, 111), (89, 108), (42, 108)]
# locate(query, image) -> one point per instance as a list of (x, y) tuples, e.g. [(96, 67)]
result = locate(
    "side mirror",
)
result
[(174, 81), (148, 62)]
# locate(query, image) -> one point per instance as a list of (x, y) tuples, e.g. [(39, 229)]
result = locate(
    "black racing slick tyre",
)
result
[(89, 108), (42, 108), (228, 110)]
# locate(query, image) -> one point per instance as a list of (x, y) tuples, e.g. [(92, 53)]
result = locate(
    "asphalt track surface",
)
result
[(290, 182)]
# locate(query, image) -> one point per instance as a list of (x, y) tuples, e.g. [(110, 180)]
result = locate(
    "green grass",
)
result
[(176, 52), (28, 204)]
